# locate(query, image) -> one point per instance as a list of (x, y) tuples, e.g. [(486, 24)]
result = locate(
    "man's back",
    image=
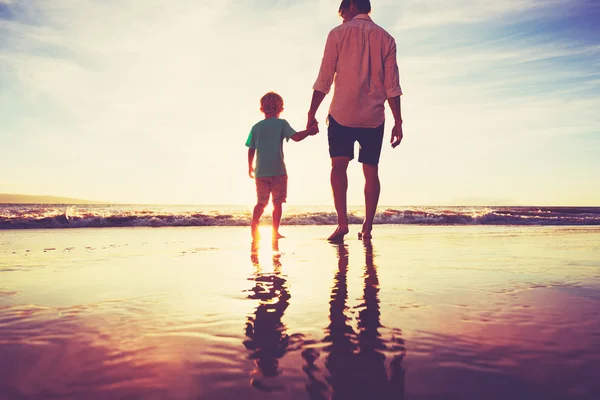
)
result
[(362, 55), (361, 58)]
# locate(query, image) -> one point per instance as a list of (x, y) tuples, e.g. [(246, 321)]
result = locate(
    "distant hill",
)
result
[(30, 199)]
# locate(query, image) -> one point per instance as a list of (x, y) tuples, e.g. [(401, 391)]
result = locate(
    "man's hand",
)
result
[(251, 172), (396, 134), (311, 121), (313, 129)]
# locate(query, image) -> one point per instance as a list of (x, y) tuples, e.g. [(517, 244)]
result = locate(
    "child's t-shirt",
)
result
[(267, 138)]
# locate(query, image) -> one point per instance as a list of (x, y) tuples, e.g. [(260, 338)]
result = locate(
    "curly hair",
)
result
[(271, 103)]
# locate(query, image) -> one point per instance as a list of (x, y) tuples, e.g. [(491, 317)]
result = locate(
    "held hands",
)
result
[(396, 134), (251, 172), (313, 129), (312, 125), (311, 121)]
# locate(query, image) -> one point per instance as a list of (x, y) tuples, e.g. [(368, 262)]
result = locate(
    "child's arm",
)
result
[(251, 153), (301, 135)]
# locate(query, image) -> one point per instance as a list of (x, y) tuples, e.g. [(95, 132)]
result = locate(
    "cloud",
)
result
[(115, 86), (426, 14), (142, 95)]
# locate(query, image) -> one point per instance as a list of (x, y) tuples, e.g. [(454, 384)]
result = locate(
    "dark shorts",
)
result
[(341, 142)]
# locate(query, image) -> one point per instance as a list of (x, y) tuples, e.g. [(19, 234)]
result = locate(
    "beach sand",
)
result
[(420, 312)]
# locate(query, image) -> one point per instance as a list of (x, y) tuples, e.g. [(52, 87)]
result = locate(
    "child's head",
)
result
[(271, 103)]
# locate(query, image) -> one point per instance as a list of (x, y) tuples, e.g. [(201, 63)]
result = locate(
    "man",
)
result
[(360, 57)]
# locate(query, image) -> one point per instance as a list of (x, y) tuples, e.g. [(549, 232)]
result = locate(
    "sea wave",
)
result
[(45, 217)]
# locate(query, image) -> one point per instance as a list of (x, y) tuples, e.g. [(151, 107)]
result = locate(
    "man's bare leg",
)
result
[(277, 211), (256, 214), (372, 189), (339, 185)]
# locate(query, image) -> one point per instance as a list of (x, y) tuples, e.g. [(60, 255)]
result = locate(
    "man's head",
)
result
[(351, 8), (271, 104)]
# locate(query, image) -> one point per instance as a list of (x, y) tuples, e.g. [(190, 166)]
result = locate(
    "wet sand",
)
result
[(419, 312)]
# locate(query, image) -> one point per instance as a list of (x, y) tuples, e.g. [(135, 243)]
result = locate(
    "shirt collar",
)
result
[(363, 16)]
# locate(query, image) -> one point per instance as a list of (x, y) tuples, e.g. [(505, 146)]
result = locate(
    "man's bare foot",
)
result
[(254, 230), (365, 233), (277, 235), (339, 234)]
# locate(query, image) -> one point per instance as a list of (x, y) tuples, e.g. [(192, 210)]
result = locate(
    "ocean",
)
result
[(28, 216), (179, 303)]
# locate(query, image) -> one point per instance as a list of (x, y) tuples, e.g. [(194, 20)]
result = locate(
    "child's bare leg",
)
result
[(256, 214), (277, 211)]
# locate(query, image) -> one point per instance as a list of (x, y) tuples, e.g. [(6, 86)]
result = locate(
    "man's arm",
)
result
[(326, 75), (317, 99), (251, 153), (397, 133), (396, 108), (393, 92)]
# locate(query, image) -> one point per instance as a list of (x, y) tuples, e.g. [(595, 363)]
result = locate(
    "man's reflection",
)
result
[(356, 359), (266, 334), (371, 345)]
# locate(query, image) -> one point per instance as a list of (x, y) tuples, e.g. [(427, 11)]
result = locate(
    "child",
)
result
[(266, 139)]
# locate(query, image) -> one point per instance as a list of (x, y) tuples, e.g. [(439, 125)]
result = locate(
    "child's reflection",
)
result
[(355, 359), (266, 334)]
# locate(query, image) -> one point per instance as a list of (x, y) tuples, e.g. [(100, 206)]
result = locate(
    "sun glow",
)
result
[(159, 88), (268, 210)]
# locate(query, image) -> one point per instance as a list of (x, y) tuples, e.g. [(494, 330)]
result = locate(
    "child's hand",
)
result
[(313, 129), (251, 172)]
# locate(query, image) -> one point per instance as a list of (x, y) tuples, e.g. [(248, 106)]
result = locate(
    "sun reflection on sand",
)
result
[(266, 335), (206, 313)]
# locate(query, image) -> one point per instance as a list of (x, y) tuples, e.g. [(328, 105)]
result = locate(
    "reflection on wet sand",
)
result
[(266, 336), (356, 361)]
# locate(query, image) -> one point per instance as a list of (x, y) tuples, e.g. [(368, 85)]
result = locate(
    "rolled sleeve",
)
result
[(391, 74), (328, 65)]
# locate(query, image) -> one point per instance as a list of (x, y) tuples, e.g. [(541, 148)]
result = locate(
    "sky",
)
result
[(147, 101)]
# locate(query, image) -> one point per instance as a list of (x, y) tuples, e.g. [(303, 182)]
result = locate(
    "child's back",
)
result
[(266, 141), (267, 138)]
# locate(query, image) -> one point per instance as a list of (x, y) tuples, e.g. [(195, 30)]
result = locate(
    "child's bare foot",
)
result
[(254, 230), (339, 234), (277, 235)]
